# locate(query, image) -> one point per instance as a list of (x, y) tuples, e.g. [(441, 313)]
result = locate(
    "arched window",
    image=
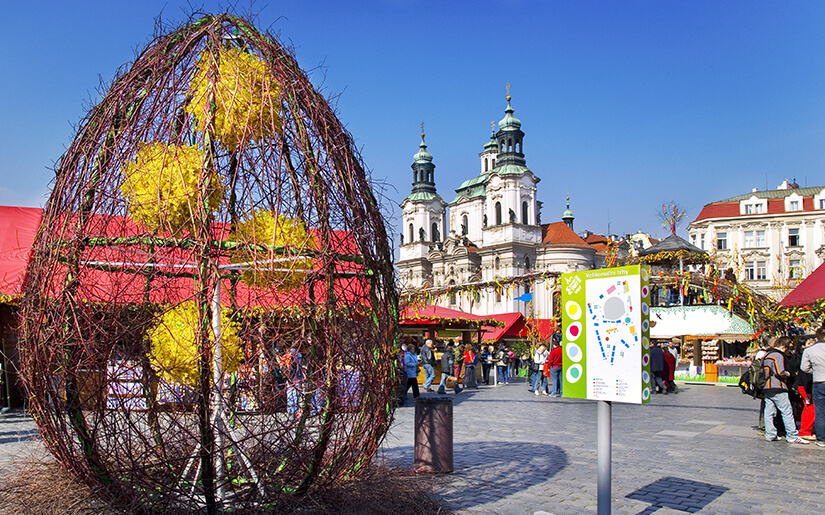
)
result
[(486, 164), (498, 213), (453, 296), (434, 232), (524, 219), (494, 163), (527, 262), (518, 146), (498, 263), (412, 234), (498, 296), (465, 225)]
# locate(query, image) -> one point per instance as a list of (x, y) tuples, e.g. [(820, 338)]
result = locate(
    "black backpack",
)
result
[(754, 379)]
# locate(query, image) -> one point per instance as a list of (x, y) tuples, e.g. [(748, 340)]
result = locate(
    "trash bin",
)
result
[(433, 434)]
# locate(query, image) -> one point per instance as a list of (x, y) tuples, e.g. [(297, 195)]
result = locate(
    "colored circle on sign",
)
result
[(573, 309), (646, 394), (645, 359), (574, 352), (574, 330), (646, 376), (645, 291), (645, 343), (645, 308), (644, 274), (574, 373), (645, 325)]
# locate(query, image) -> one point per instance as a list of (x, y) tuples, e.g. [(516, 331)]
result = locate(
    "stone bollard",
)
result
[(433, 434)]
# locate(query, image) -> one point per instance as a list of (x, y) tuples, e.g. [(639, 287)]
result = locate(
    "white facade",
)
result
[(494, 235), (772, 239)]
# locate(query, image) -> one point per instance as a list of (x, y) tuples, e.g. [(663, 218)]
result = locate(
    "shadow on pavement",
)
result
[(677, 494), (497, 469)]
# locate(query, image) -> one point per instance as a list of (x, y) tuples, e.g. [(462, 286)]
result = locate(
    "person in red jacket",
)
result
[(555, 363), (668, 374)]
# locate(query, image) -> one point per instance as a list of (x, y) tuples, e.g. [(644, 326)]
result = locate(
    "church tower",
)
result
[(423, 220)]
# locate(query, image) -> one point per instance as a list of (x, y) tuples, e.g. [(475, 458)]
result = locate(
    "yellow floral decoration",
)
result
[(161, 186), (173, 339), (247, 97), (284, 266)]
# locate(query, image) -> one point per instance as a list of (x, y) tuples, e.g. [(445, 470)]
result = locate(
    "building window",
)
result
[(822, 203), (755, 270), (753, 209), (498, 213), (795, 269), (702, 241), (748, 209), (498, 263), (524, 213), (721, 241), (453, 296), (465, 225), (486, 164), (498, 296), (411, 234), (434, 233), (793, 205), (761, 270), (527, 262), (793, 237), (755, 239)]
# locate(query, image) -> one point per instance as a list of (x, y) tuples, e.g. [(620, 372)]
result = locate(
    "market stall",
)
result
[(713, 341)]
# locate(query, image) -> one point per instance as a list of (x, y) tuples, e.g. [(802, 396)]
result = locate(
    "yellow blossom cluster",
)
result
[(246, 97), (161, 186), (174, 351), (284, 266)]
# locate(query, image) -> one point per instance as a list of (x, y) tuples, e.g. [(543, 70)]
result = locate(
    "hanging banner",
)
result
[(606, 334)]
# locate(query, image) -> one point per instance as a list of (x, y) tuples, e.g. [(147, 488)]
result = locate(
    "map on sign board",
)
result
[(606, 333)]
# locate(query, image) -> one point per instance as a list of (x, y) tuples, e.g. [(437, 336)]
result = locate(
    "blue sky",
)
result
[(625, 105)]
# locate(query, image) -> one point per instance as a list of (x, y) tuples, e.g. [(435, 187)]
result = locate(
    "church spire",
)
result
[(510, 137), (567, 217), (423, 168)]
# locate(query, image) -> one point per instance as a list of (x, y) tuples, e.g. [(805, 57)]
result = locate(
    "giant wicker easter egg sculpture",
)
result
[(209, 312)]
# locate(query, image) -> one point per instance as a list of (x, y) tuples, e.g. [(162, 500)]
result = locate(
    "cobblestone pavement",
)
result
[(693, 452), (515, 453)]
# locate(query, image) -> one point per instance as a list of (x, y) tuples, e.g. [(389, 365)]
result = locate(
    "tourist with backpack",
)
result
[(813, 362), (776, 392)]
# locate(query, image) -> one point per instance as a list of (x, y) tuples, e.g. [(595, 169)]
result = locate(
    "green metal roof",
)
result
[(511, 169), (804, 192), (423, 196)]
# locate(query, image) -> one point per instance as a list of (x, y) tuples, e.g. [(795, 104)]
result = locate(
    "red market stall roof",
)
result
[(545, 326), (17, 230), (20, 224), (436, 317), (808, 291), (513, 324)]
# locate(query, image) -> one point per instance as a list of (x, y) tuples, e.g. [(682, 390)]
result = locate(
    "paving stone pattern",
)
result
[(516, 453), (693, 452)]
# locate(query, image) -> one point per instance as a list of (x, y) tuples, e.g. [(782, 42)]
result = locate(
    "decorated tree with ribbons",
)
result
[(209, 317)]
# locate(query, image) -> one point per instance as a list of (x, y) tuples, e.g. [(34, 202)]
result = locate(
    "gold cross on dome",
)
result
[(422, 130), (493, 126), (508, 91)]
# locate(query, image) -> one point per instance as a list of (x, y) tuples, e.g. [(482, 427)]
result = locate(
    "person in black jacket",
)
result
[(657, 368), (428, 362), (447, 362)]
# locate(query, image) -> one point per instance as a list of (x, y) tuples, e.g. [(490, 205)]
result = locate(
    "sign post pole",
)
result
[(604, 421)]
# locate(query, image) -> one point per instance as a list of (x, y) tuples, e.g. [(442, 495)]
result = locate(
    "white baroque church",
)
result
[(487, 248)]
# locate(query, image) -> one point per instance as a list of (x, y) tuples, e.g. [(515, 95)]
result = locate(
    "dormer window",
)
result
[(793, 205)]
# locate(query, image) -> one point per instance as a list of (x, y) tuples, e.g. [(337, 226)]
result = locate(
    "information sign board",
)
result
[(606, 334)]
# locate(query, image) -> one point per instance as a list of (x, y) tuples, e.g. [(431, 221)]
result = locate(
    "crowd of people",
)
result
[(499, 365), (458, 366), (793, 404)]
